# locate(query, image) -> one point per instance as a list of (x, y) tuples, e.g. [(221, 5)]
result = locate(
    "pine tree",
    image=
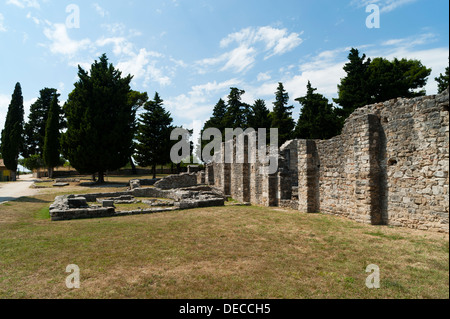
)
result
[(398, 78), (237, 112), (51, 152), (443, 81), (353, 90), (153, 135), (378, 80), (100, 120), (259, 117), (318, 119), (11, 137), (217, 120), (34, 131), (281, 117)]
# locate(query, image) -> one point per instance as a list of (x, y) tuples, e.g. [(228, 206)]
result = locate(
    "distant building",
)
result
[(5, 174)]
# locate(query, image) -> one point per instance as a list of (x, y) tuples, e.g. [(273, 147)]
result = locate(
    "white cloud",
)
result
[(196, 105), (61, 43), (24, 3), (2, 26), (251, 42), (101, 11), (385, 5), (263, 77)]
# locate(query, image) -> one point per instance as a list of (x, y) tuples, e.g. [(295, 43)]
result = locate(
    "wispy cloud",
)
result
[(251, 42), (101, 11), (385, 5), (24, 3), (2, 21)]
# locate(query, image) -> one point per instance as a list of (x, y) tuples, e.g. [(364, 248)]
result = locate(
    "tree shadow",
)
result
[(103, 185), (22, 200)]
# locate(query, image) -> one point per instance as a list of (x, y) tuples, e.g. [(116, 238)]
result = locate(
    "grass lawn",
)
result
[(226, 252)]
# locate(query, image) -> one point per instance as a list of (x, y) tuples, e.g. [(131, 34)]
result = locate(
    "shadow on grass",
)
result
[(31, 200), (104, 185)]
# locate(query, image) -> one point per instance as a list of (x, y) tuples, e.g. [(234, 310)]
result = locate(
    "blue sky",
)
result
[(192, 51)]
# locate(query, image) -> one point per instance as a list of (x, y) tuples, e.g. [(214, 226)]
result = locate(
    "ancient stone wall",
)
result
[(389, 166)]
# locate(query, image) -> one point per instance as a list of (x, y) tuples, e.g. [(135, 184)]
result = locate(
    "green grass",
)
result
[(225, 252)]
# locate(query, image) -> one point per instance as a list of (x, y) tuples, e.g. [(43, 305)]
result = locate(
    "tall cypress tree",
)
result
[(153, 135), (100, 120), (51, 152), (11, 139), (282, 115), (34, 131)]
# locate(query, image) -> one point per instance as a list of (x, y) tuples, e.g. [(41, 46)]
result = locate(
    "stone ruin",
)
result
[(390, 166), (177, 192)]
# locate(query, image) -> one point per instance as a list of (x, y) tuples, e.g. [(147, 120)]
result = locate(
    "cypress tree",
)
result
[(11, 138), (153, 135), (34, 130), (100, 120), (51, 151)]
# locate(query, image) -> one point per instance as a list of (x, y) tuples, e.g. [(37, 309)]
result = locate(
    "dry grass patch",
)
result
[(226, 252)]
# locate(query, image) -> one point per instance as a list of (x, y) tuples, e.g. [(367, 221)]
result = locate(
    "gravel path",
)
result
[(15, 190)]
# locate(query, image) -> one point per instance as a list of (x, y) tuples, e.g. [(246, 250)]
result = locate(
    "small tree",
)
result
[(443, 81), (281, 116), (153, 135), (51, 141), (11, 137)]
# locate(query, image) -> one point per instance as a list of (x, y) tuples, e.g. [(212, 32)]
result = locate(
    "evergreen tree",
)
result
[(11, 137), (353, 90), (51, 153), (281, 117), (369, 82), (153, 135), (398, 78), (443, 81), (34, 132), (137, 100), (217, 120), (318, 119), (259, 117), (100, 120), (237, 112)]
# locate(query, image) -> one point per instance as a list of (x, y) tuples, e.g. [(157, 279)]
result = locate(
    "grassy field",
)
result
[(227, 252)]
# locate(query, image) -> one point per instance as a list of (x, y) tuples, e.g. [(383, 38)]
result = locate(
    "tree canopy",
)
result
[(100, 120), (318, 118), (378, 80)]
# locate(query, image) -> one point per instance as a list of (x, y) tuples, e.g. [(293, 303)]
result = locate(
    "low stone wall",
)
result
[(177, 181), (70, 207)]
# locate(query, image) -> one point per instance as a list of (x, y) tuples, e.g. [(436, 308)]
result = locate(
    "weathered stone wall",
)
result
[(389, 166)]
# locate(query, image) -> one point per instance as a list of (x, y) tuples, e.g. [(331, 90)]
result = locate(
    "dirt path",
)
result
[(15, 190)]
